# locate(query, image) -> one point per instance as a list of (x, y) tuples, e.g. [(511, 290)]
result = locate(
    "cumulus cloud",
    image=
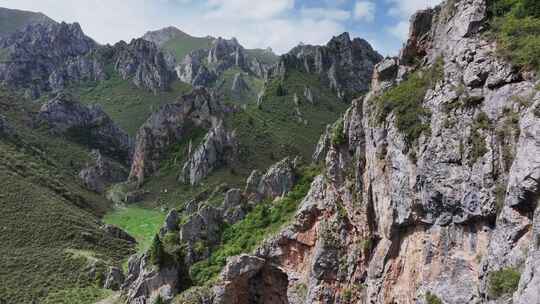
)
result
[(400, 30), (404, 9), (364, 10), (320, 13), (248, 9)]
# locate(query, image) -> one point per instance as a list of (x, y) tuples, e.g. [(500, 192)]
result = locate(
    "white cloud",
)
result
[(319, 13), (364, 10), (255, 23), (405, 9), (400, 30), (248, 9)]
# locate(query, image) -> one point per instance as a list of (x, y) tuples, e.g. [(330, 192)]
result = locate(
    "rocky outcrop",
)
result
[(192, 69), (146, 282), (144, 64), (390, 222), (239, 85), (102, 173), (219, 148), (114, 278), (344, 65), (276, 182), (169, 125), (89, 125), (47, 57), (249, 279)]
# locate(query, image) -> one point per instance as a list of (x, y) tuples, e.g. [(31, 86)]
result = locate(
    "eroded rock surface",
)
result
[(89, 125)]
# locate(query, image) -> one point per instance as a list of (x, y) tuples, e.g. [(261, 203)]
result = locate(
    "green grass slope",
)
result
[(126, 104), (182, 45), (47, 216)]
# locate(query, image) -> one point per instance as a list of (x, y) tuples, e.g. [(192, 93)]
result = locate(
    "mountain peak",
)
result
[(12, 20), (162, 36)]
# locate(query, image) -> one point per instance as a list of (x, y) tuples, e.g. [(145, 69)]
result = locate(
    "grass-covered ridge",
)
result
[(265, 220), (515, 25), (127, 105), (182, 45), (47, 215), (266, 134)]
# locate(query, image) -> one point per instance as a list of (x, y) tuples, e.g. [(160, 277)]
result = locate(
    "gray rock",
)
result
[(344, 65), (89, 124), (219, 148), (171, 223), (277, 181), (170, 125), (114, 278), (239, 85), (103, 173)]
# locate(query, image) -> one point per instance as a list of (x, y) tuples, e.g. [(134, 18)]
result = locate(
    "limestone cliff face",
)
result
[(395, 222), (48, 57)]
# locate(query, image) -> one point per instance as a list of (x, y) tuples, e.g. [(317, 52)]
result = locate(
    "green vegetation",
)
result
[(477, 141), (504, 281), (432, 299), (271, 132), (156, 252), (264, 56), (50, 224), (405, 101), (515, 24), (266, 219), (225, 82), (86, 295), (182, 45), (338, 134), (126, 104), (141, 223)]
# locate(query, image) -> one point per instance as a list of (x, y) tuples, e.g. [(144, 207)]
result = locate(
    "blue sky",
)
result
[(279, 24)]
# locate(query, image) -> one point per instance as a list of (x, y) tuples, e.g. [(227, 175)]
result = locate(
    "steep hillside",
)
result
[(54, 248), (14, 20), (428, 194), (430, 186)]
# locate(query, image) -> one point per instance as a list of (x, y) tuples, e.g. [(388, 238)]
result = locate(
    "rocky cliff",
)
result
[(49, 57), (343, 64), (430, 186), (170, 125)]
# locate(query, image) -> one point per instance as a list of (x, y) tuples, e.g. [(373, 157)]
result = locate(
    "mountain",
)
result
[(138, 140), (326, 175), (177, 42), (13, 20), (425, 191)]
